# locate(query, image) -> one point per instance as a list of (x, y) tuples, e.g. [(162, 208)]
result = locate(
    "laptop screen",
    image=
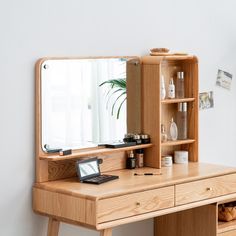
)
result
[(88, 168)]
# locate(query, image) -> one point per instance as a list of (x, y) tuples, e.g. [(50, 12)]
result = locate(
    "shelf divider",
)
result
[(226, 226), (177, 100), (178, 142)]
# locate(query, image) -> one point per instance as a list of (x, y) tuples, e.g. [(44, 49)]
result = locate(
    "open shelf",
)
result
[(177, 142), (91, 152), (177, 100), (226, 226)]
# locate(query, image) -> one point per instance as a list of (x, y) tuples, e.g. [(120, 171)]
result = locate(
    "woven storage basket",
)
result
[(227, 212)]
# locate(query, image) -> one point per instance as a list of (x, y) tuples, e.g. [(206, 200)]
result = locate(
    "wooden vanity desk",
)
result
[(186, 193), (182, 199)]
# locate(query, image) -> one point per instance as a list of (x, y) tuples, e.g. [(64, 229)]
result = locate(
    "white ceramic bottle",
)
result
[(163, 89), (171, 89)]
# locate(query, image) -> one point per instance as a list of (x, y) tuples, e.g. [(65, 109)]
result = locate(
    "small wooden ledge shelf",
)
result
[(226, 226), (92, 152), (177, 100), (178, 142)]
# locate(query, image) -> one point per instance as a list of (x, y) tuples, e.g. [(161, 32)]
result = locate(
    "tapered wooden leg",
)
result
[(106, 232), (53, 227)]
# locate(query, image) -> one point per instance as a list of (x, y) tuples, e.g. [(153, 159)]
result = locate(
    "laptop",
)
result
[(88, 171)]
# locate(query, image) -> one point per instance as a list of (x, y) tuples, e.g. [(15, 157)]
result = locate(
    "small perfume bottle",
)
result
[(139, 158), (173, 130), (171, 89), (163, 134), (131, 161), (163, 89)]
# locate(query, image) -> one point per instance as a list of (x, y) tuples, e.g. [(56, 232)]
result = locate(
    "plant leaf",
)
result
[(120, 83), (113, 106), (118, 112), (111, 96)]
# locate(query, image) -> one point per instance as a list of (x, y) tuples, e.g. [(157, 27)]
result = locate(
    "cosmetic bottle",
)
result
[(163, 134), (139, 158), (180, 85), (131, 161), (171, 89), (182, 120), (163, 89), (173, 130)]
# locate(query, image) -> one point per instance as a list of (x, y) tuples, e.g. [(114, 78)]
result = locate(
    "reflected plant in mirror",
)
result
[(117, 90), (76, 108)]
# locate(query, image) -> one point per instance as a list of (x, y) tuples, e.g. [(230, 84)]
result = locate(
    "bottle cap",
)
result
[(180, 75), (139, 151), (144, 136), (171, 81), (131, 154), (136, 136)]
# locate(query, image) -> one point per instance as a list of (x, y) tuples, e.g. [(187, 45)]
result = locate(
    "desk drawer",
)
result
[(134, 204), (204, 189)]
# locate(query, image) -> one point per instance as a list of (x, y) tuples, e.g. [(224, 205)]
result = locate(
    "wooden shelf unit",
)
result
[(91, 152), (156, 111), (226, 228)]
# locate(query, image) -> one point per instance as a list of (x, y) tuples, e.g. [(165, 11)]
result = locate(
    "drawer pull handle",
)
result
[(209, 189), (138, 203)]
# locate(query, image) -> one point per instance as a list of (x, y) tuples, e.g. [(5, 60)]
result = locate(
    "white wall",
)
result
[(32, 29)]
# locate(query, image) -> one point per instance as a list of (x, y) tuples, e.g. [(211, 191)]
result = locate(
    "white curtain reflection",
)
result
[(75, 112)]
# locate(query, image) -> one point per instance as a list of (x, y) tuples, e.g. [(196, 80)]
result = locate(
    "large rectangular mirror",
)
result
[(83, 101)]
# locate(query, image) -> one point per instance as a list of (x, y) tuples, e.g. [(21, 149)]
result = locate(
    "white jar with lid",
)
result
[(166, 161), (181, 157)]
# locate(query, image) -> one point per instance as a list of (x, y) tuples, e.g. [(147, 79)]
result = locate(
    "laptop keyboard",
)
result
[(101, 179)]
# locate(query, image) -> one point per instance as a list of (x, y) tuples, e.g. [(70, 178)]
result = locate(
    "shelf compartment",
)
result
[(226, 226), (177, 142), (177, 100), (91, 152)]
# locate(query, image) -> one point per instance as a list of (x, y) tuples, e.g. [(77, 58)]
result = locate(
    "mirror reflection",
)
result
[(83, 102)]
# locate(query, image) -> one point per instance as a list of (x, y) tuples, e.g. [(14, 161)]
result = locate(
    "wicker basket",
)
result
[(227, 212)]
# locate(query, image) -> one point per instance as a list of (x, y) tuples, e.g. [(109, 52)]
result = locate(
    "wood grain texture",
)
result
[(61, 205), (129, 183), (228, 233), (67, 168), (151, 112), (53, 227), (98, 151), (226, 226), (203, 189), (106, 232), (133, 96), (177, 100), (46, 171), (135, 204), (41, 166), (195, 222), (162, 212), (157, 112)]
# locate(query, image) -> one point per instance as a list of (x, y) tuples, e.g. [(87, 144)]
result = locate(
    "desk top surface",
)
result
[(129, 183)]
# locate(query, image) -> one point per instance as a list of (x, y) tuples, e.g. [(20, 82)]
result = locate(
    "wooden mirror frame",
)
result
[(47, 167)]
